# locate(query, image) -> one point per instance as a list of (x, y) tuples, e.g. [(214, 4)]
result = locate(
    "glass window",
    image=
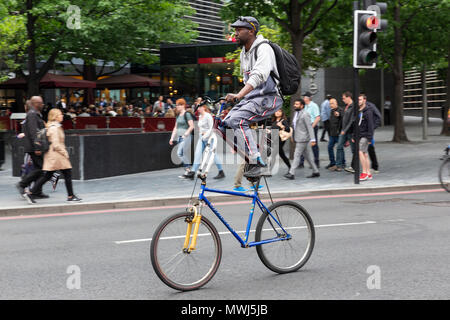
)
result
[(216, 51), (178, 55)]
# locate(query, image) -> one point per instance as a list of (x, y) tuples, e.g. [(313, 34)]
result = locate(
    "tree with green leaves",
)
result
[(299, 19), (126, 31), (400, 47), (120, 31), (12, 40), (428, 44)]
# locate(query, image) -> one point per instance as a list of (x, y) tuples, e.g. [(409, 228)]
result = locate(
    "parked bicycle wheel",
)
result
[(444, 174), (291, 254), (178, 269)]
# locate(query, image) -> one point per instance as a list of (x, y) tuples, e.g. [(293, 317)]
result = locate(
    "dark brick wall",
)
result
[(338, 80), (100, 156)]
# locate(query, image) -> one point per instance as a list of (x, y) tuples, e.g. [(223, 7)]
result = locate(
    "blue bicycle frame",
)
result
[(255, 200)]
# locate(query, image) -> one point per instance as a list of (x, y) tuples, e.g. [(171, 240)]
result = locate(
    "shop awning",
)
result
[(50, 81), (127, 81)]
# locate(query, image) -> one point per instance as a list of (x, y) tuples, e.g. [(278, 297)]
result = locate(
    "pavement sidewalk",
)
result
[(405, 166)]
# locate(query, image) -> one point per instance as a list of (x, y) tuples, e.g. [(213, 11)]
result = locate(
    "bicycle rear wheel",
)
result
[(291, 254), (444, 174), (178, 269)]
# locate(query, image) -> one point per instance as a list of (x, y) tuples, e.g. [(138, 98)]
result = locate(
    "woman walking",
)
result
[(280, 122), (205, 125), (182, 133), (56, 158)]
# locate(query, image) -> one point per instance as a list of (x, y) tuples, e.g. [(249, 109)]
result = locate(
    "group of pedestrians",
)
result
[(302, 130), (339, 123), (45, 163), (261, 98), (182, 135)]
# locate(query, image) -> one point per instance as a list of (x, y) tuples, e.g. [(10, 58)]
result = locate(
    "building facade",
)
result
[(199, 68), (207, 16)]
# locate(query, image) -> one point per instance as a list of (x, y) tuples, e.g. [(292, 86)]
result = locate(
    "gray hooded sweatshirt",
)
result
[(257, 73)]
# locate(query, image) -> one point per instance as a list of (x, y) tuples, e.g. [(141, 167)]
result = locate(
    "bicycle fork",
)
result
[(196, 222)]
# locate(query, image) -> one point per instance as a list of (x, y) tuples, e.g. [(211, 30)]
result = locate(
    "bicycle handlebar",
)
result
[(209, 100)]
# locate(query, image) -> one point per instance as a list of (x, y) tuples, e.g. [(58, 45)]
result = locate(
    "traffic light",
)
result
[(365, 54), (379, 8)]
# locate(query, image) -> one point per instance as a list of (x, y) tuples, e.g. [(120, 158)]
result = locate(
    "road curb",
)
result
[(177, 201)]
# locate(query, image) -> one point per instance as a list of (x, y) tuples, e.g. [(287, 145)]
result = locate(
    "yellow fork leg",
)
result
[(196, 220), (188, 235)]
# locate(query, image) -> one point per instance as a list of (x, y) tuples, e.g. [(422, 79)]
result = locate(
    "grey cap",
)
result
[(307, 94), (246, 22)]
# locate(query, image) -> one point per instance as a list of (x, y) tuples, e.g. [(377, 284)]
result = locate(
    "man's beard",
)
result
[(240, 42)]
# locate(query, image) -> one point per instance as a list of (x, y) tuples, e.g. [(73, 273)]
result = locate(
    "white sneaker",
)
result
[(188, 174), (29, 198), (349, 169)]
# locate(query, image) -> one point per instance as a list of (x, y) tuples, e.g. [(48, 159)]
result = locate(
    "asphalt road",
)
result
[(402, 237)]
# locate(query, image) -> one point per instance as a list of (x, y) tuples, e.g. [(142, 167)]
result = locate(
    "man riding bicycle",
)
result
[(260, 97)]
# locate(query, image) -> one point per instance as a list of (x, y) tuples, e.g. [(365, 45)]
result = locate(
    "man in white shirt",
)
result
[(159, 104)]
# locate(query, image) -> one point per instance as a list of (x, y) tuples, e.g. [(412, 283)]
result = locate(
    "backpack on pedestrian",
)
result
[(41, 142), (376, 116), (288, 69)]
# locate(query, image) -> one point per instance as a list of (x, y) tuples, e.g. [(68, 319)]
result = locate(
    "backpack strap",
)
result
[(256, 49), (256, 57), (186, 120), (272, 74)]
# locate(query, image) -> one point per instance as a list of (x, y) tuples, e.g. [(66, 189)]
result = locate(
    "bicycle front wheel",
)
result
[(296, 246), (444, 174), (177, 268)]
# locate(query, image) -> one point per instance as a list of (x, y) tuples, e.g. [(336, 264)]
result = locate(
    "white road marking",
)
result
[(243, 232)]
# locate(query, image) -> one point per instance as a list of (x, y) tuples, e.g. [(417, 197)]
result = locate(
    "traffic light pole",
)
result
[(356, 112)]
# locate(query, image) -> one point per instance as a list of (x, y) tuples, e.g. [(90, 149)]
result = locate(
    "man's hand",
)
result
[(313, 143), (171, 142), (280, 124), (231, 97), (236, 97)]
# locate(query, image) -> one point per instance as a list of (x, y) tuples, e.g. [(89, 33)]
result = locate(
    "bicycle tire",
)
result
[(444, 165), (295, 229), (175, 245)]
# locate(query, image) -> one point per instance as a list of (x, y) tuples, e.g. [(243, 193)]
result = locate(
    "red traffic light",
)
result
[(366, 23), (370, 22)]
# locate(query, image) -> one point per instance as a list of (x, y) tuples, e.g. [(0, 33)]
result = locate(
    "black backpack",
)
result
[(288, 69), (376, 116), (41, 142)]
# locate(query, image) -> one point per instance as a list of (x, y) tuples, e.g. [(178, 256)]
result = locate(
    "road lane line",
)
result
[(251, 231)]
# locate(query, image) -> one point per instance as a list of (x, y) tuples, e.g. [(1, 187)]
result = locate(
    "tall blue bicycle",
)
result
[(186, 248)]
